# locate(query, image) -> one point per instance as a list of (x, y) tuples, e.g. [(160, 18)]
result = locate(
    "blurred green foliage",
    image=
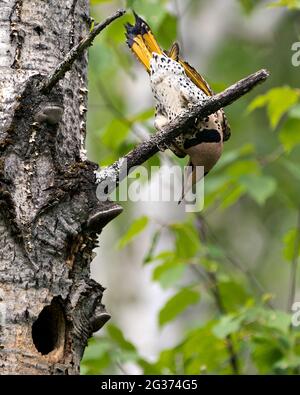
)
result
[(290, 4), (258, 177)]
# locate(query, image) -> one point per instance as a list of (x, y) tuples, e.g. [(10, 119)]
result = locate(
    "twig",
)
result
[(214, 288), (122, 369), (233, 356), (294, 267), (75, 52), (234, 262), (148, 148)]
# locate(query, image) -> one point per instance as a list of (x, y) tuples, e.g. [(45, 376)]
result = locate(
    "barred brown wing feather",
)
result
[(226, 128), (196, 78), (173, 53)]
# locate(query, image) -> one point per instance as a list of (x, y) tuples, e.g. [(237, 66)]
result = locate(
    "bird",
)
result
[(177, 86)]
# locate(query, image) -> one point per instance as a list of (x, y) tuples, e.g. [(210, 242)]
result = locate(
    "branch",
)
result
[(148, 148), (59, 72)]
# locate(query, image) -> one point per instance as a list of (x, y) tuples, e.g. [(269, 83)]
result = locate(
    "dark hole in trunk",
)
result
[(48, 331)]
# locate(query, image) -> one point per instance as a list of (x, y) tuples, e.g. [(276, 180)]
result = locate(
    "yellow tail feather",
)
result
[(196, 78), (141, 52), (141, 41)]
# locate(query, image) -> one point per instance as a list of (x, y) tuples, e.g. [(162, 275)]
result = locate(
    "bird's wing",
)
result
[(173, 53), (226, 128), (196, 78)]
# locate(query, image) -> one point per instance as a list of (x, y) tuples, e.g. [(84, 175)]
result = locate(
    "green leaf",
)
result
[(234, 294), (115, 133), (268, 320), (233, 196), (227, 325), (142, 116), (289, 134), (278, 101), (260, 188), (249, 5), (265, 353), (289, 241), (177, 304), (279, 320), (96, 356), (242, 167), (187, 240), (154, 240), (164, 255), (96, 348), (135, 228), (164, 365), (117, 336), (258, 102), (203, 351), (168, 273)]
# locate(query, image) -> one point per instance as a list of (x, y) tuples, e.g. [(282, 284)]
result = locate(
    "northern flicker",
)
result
[(176, 86)]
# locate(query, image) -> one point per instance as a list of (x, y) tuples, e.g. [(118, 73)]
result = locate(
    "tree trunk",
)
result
[(49, 213)]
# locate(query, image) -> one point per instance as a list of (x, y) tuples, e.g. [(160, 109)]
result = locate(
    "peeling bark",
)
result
[(49, 213)]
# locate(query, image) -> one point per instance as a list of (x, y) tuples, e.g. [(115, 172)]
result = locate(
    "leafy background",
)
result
[(211, 292)]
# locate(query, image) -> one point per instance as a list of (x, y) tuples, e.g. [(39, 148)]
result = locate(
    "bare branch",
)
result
[(76, 51), (148, 148)]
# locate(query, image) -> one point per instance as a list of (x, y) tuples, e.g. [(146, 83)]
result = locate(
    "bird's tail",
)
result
[(141, 41)]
